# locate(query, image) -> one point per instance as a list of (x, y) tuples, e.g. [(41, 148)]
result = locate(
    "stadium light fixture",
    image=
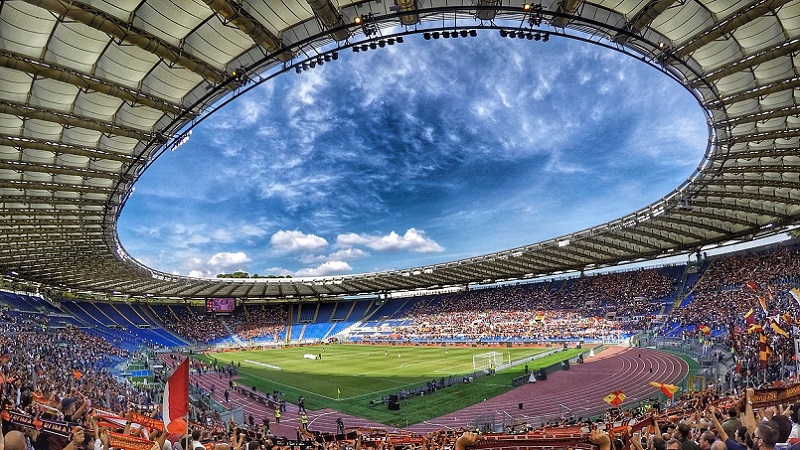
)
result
[(487, 14)]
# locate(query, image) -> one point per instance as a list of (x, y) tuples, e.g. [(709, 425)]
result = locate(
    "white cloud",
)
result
[(413, 240), (326, 268), (347, 254), (297, 241), (224, 260), (249, 110), (196, 273)]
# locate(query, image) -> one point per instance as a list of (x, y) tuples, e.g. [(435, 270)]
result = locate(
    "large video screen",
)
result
[(220, 305)]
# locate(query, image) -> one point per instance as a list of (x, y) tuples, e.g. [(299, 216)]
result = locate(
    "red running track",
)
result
[(580, 390)]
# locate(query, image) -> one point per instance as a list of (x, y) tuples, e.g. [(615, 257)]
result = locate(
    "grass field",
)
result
[(348, 377)]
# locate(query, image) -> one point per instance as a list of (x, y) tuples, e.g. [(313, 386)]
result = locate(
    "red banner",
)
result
[(123, 441), (148, 422)]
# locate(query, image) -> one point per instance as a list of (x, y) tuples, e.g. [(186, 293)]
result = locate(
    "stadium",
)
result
[(519, 344)]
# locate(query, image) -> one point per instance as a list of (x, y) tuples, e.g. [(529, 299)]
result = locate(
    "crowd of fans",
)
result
[(582, 308), (246, 323), (58, 374)]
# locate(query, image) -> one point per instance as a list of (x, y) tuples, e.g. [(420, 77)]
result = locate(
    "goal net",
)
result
[(485, 361)]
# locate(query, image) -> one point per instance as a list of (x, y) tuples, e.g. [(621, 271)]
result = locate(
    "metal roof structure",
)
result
[(92, 91)]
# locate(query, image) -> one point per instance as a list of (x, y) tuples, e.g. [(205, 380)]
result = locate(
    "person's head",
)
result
[(718, 445), (15, 440), (732, 412), (765, 436), (684, 431), (673, 444), (741, 435), (795, 413), (658, 443), (706, 439), (68, 405), (784, 425), (196, 434)]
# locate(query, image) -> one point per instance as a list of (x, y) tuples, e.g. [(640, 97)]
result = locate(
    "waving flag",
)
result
[(176, 398), (615, 398), (795, 293), (750, 317), (776, 328), (763, 303), (668, 389)]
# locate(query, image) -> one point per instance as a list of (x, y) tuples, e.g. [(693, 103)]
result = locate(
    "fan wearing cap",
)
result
[(74, 407)]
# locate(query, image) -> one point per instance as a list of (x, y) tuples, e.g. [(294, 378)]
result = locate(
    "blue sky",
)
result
[(415, 154)]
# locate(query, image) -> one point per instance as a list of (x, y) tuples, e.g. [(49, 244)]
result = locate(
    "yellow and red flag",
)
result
[(764, 351), (776, 328), (750, 317), (615, 398), (763, 303), (754, 328), (668, 389)]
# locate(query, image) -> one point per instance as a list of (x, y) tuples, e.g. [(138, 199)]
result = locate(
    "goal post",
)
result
[(486, 361)]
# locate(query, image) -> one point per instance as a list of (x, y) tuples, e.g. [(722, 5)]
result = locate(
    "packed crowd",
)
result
[(195, 326), (729, 285), (582, 308), (247, 323), (57, 374), (260, 321)]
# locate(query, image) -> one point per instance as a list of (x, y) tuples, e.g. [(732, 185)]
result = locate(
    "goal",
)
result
[(485, 361)]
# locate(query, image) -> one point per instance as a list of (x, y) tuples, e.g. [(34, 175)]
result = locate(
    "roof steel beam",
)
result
[(754, 92), (53, 187), (759, 116), (643, 18), (60, 148), (567, 7), (761, 136), (237, 15), (72, 120), (126, 32), (23, 166), (52, 71), (749, 62), (741, 17)]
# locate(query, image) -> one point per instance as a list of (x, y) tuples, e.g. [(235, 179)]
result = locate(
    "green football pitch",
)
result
[(343, 372), (355, 378)]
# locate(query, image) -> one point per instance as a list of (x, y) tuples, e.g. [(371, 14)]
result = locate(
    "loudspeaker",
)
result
[(520, 406), (542, 375), (394, 405)]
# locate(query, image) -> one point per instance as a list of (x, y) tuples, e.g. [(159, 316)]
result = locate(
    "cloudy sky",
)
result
[(415, 154)]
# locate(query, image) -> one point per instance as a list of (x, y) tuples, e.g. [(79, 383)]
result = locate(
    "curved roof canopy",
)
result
[(93, 91)]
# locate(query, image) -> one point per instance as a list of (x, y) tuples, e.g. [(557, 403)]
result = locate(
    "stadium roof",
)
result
[(93, 91)]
